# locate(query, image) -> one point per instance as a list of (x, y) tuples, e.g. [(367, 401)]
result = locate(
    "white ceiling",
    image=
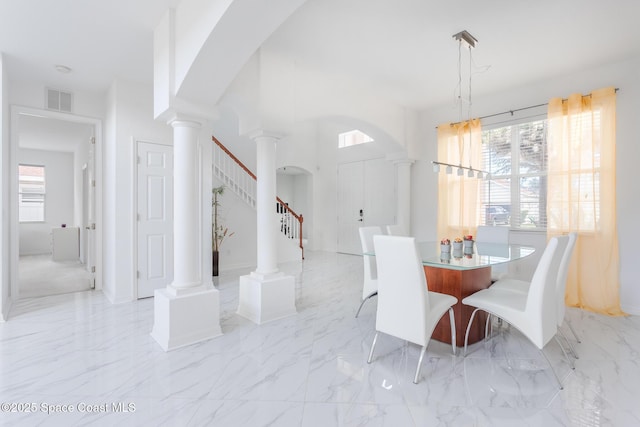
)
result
[(402, 50), (99, 40)]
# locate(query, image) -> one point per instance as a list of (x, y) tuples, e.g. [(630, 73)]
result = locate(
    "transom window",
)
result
[(31, 193), (353, 137)]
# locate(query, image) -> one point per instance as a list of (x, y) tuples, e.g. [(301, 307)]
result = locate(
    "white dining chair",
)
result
[(522, 286), (494, 234), (533, 313), (370, 283), (396, 230), (406, 308)]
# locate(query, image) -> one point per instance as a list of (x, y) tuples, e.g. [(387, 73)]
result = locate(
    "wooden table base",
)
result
[(460, 284)]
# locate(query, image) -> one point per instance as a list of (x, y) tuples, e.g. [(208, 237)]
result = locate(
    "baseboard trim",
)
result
[(630, 309)]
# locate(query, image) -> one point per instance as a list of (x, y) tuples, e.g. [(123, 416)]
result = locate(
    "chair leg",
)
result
[(363, 301), (553, 370), (566, 356), (415, 379), (572, 350), (452, 321), (573, 332), (487, 333), (373, 345), (466, 335)]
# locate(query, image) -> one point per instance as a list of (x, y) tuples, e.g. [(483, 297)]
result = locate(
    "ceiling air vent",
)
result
[(59, 100)]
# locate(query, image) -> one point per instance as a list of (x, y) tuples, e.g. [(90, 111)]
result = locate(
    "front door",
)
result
[(155, 217), (350, 206), (366, 197)]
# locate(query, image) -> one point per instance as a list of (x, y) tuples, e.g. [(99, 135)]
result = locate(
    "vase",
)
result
[(215, 262)]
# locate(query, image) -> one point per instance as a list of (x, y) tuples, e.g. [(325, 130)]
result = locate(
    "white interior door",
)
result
[(366, 197), (350, 206), (155, 217)]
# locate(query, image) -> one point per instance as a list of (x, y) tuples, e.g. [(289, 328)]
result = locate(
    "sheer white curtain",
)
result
[(582, 195), (458, 196)]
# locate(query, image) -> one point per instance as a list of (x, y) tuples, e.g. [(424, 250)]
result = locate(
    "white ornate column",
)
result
[(187, 310), (403, 202), (266, 294)]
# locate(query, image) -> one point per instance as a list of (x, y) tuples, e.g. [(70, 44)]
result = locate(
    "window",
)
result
[(354, 137), (516, 194), (31, 193), (578, 201)]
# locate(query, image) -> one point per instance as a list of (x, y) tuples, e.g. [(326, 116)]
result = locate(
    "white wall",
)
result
[(110, 191), (622, 75), (35, 238), (325, 182), (239, 250), (284, 188), (303, 196), (278, 93), (32, 94), (4, 192), (292, 189), (129, 119)]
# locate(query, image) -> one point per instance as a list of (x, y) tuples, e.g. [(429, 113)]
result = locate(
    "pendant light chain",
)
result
[(470, 42)]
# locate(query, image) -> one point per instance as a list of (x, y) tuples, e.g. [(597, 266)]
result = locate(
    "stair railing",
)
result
[(234, 174)]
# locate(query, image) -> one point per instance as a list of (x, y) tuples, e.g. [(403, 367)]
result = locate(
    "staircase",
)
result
[(239, 179)]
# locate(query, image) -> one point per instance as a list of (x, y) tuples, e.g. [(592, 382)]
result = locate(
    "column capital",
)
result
[(180, 120), (403, 162), (257, 134)]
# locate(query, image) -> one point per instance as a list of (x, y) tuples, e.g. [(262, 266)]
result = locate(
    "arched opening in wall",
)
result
[(294, 187)]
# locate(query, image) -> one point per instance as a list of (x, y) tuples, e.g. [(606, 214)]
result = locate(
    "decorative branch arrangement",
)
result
[(218, 232)]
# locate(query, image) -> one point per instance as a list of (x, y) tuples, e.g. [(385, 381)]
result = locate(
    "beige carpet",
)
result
[(41, 276)]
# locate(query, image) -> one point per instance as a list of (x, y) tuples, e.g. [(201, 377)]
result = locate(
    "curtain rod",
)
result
[(518, 109)]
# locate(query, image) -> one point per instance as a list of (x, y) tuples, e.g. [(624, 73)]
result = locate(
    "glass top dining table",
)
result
[(461, 273), (479, 256)]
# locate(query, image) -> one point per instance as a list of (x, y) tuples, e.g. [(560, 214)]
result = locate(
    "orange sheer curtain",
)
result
[(582, 195), (458, 196)]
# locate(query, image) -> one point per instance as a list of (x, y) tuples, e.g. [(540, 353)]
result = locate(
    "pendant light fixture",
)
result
[(466, 39)]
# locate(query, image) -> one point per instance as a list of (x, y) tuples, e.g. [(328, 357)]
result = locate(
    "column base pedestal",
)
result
[(266, 298), (187, 318)]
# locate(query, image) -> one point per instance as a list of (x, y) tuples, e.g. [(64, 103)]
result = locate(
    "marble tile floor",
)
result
[(98, 362)]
